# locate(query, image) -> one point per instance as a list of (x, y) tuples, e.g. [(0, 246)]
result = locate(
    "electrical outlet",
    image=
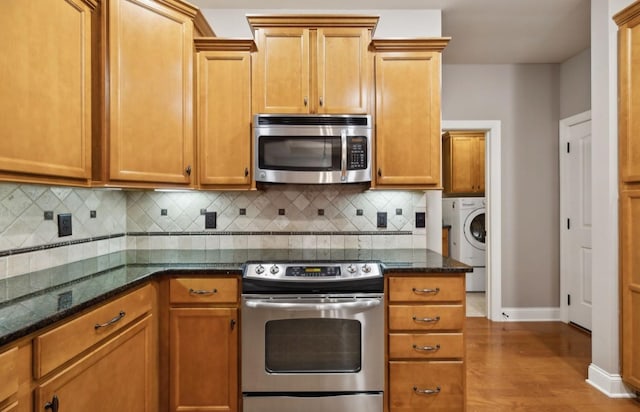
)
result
[(421, 220), (382, 219), (210, 220), (64, 224), (65, 300)]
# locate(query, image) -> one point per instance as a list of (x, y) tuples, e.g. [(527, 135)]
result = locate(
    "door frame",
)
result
[(493, 194), (565, 124)]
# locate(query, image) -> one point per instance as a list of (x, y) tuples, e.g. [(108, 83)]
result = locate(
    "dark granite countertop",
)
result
[(35, 300)]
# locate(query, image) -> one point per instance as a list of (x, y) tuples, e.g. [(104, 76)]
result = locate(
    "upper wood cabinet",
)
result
[(628, 21), (463, 157), (312, 64), (407, 87), (149, 132), (629, 96), (46, 88), (224, 113)]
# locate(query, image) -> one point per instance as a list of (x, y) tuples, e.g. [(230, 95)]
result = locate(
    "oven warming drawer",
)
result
[(335, 403)]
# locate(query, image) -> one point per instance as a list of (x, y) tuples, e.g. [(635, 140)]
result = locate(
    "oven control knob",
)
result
[(351, 268), (366, 268), (274, 269), (259, 269)]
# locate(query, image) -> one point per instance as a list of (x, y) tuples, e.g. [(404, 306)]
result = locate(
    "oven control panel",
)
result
[(300, 271)]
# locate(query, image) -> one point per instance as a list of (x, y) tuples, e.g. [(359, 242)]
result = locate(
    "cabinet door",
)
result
[(464, 164), (45, 84), (118, 376), (630, 285), (224, 118), (408, 119), (480, 164), (343, 70), (203, 359), (151, 93), (629, 99), (281, 75)]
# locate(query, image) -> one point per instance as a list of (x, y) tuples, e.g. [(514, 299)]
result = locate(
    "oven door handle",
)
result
[(290, 305)]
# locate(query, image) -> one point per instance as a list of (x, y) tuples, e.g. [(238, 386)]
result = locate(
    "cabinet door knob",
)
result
[(305, 101), (53, 405), (188, 170), (321, 101), (379, 172), (246, 171)]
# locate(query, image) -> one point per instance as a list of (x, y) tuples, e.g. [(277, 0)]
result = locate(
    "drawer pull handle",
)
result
[(426, 320), (110, 322), (426, 391), (54, 405), (426, 291), (202, 292), (426, 348)]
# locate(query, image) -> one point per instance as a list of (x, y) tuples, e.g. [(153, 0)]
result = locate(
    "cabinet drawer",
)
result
[(426, 289), (203, 290), (61, 344), (8, 373), (426, 317), (426, 345), (409, 380)]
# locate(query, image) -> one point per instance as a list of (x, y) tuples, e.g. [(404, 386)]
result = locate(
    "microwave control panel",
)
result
[(357, 153)]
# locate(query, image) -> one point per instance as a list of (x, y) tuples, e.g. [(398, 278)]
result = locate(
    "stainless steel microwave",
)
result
[(312, 149)]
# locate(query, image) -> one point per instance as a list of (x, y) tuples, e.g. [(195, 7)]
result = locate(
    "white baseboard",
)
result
[(609, 384), (530, 314)]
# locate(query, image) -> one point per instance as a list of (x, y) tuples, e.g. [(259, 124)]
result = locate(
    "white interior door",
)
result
[(575, 209)]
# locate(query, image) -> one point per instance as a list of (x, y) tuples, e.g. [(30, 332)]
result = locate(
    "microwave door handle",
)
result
[(343, 139)]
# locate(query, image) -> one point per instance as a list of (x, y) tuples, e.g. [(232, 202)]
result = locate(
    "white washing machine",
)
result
[(468, 236)]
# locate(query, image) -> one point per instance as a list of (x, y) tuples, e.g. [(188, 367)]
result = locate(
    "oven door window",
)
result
[(303, 153), (313, 346)]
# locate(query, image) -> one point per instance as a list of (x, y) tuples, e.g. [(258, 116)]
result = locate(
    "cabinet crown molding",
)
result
[(199, 22), (222, 44), (627, 14), (411, 44), (258, 21)]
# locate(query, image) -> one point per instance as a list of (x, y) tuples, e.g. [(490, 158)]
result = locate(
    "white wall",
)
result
[(525, 99), (393, 23), (575, 84), (605, 367)]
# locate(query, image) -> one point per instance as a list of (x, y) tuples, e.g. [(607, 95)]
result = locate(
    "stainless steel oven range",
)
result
[(312, 337)]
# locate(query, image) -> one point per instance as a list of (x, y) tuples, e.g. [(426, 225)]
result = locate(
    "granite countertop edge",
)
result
[(151, 271)]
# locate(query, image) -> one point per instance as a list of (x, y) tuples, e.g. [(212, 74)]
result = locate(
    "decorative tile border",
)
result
[(18, 251)]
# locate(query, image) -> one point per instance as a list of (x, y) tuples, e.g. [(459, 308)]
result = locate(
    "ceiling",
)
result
[(482, 31)]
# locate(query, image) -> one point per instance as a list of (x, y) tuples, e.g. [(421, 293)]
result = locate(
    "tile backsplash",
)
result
[(29, 242), (278, 216)]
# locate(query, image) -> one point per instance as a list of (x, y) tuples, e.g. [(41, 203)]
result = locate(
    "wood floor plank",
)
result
[(532, 367)]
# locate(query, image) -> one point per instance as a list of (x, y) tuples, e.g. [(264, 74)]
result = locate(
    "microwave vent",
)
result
[(321, 120)]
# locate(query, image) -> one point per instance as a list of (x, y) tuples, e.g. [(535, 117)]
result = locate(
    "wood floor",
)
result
[(532, 366)]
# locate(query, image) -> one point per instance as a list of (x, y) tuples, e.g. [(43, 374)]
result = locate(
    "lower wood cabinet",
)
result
[(426, 352), (203, 344), (104, 359), (118, 375), (10, 408)]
